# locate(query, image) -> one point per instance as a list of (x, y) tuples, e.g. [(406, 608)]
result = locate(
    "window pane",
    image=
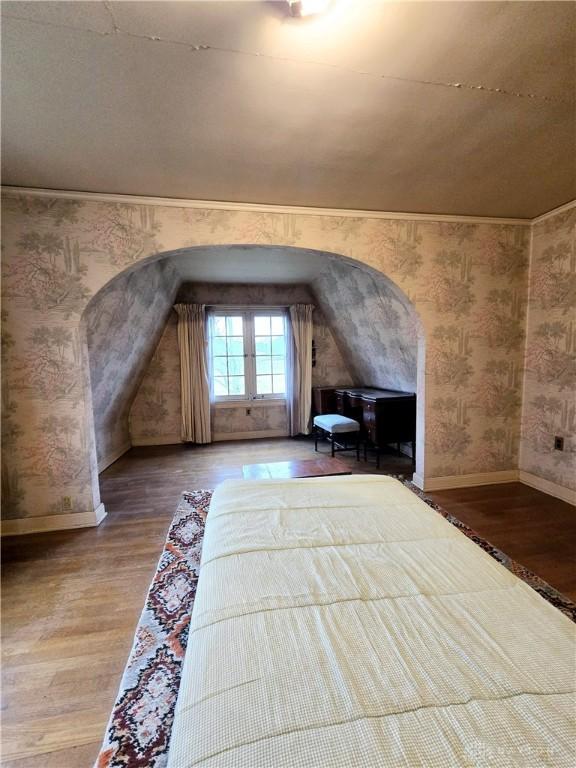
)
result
[(218, 345), (220, 367), (234, 326), (279, 385), (278, 345), (263, 365), (278, 365), (220, 386), (236, 385), (219, 326), (235, 345), (262, 345), (277, 326), (236, 366), (263, 385), (262, 326)]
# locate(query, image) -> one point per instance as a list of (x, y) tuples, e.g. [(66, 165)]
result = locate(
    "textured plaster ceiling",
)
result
[(113, 97)]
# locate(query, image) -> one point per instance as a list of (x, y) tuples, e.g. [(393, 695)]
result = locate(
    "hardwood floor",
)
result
[(71, 600), (533, 528)]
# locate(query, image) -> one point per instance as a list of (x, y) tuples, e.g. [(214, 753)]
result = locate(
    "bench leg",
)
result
[(332, 443), (357, 446)]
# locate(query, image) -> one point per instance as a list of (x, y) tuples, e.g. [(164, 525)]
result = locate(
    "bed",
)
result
[(342, 622)]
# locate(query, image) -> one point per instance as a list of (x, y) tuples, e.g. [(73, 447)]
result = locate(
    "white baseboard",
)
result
[(465, 481), (112, 457), (493, 478), (219, 437), (547, 486), (418, 481), (160, 440), (46, 523)]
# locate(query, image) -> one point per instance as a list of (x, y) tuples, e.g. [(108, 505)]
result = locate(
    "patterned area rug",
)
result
[(138, 732)]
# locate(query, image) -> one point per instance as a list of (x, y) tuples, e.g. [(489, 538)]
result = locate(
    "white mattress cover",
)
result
[(341, 621)]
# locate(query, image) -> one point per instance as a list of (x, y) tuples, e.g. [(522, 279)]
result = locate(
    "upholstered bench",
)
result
[(331, 425)]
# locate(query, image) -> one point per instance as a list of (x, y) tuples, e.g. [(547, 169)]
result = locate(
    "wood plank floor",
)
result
[(531, 527), (71, 600)]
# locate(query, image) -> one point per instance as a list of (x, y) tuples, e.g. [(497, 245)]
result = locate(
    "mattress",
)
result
[(341, 622)]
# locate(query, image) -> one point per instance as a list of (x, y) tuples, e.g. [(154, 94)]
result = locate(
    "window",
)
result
[(228, 356), (248, 354)]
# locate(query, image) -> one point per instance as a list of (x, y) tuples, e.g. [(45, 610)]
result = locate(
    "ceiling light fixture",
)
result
[(302, 8)]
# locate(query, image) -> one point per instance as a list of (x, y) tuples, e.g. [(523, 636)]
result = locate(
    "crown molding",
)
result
[(173, 202), (554, 212)]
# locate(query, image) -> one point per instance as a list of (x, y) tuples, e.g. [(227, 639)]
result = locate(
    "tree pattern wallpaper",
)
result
[(549, 408), (467, 282)]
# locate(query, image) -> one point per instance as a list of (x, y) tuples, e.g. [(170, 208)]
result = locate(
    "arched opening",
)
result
[(367, 333)]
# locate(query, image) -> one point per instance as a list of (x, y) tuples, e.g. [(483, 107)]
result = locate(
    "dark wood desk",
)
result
[(386, 416)]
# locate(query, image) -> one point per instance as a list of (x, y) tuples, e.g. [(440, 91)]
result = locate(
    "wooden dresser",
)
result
[(323, 400), (386, 416)]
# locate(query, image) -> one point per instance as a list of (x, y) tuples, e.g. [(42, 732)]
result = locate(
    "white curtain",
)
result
[(209, 343), (194, 384), (300, 375)]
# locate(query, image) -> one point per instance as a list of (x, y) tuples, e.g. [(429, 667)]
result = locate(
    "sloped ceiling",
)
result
[(375, 325), (124, 322), (248, 264), (434, 107)]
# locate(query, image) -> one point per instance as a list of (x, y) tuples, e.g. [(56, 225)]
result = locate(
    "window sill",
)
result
[(259, 403)]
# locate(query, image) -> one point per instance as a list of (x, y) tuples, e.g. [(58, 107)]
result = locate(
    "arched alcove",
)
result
[(375, 325)]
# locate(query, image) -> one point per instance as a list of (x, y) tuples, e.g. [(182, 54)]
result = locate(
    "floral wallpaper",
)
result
[(155, 413), (549, 402), (123, 324), (466, 280)]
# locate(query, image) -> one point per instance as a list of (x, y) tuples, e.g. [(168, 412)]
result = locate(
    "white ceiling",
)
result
[(357, 109), (249, 264)]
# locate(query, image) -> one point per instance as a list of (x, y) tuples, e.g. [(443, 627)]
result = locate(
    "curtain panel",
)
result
[(194, 383), (300, 391)]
